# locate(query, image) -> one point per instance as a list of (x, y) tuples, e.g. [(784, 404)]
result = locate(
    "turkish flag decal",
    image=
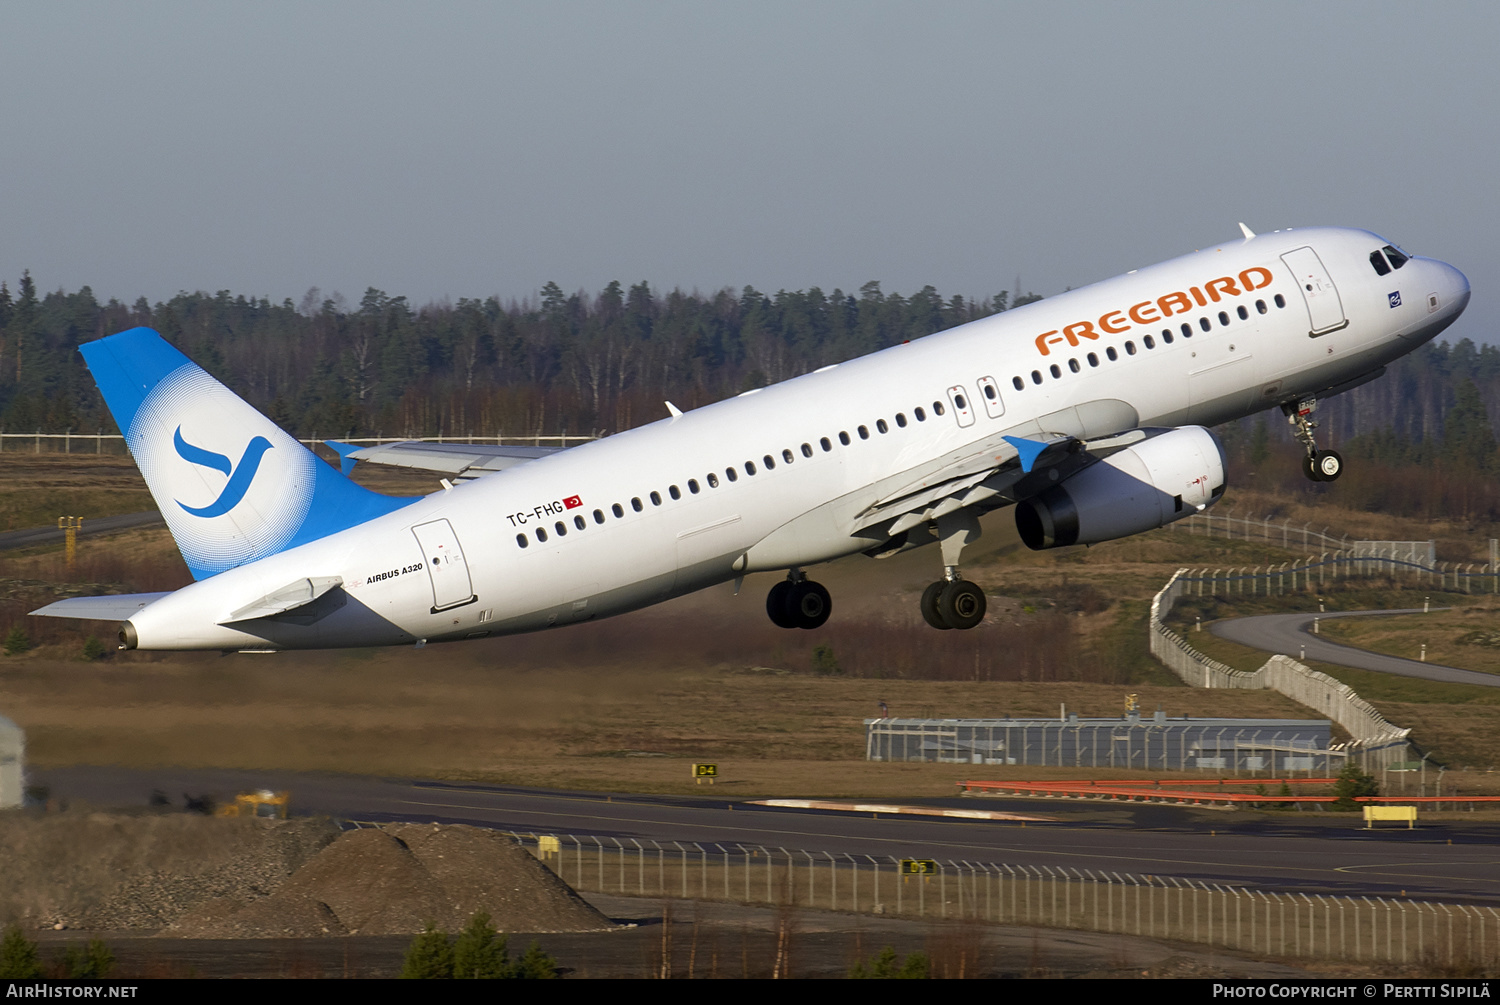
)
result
[(572, 502)]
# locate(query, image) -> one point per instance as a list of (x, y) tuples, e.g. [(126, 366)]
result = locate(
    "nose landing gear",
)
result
[(1319, 465)]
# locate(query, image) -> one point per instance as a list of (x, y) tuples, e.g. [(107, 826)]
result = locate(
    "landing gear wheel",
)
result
[(961, 604), (1310, 470), (930, 612), (778, 605), (808, 604), (1329, 465)]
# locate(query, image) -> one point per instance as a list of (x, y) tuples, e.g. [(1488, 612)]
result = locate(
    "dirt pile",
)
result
[(194, 877), (119, 872)]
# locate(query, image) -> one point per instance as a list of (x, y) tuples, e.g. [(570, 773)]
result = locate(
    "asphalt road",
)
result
[(1290, 634), (103, 525), (1286, 852)]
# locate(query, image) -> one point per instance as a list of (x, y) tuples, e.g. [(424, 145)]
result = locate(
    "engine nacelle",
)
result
[(1145, 486)]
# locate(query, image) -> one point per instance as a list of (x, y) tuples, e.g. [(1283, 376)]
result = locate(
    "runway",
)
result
[(1312, 855)]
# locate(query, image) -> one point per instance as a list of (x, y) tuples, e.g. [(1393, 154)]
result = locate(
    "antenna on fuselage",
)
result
[(1246, 231)]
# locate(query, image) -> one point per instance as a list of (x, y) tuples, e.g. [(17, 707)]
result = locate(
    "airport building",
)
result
[(1144, 743)]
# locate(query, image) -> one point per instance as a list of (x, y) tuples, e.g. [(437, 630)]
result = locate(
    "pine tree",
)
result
[(480, 952), (18, 956), (429, 957)]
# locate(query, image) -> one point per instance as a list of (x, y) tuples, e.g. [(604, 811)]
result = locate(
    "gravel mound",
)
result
[(187, 876), (118, 872)]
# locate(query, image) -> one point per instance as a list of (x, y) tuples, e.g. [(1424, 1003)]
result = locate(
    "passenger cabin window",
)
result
[(938, 409), (1056, 371), (769, 462), (1093, 358), (901, 419), (1036, 376), (693, 486), (1148, 342), (731, 474), (562, 530), (598, 516), (713, 480), (786, 455), (1224, 319), (1260, 307), (864, 434), (880, 425), (1129, 348), (1020, 384), (1073, 365), (541, 534), (674, 492), (617, 510), (843, 438), (1242, 312), (825, 444), (807, 450), (1187, 330), (1280, 300), (655, 498), (1205, 324), (522, 541), (635, 504), (578, 522), (749, 467), (920, 414), (1110, 352), (1166, 335)]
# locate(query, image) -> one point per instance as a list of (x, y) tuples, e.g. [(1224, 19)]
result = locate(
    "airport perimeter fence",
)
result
[(114, 443), (1376, 741), (1381, 929)]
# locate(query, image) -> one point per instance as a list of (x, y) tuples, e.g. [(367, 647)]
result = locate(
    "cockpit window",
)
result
[(1397, 257), (1378, 261)]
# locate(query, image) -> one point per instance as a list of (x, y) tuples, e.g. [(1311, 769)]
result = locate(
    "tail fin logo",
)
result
[(240, 475)]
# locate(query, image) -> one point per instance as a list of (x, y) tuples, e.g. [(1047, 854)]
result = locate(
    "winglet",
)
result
[(1246, 231), (346, 463), (1029, 450)]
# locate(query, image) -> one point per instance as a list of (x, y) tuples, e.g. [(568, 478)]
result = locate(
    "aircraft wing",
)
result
[(988, 470), (120, 607), (461, 460)]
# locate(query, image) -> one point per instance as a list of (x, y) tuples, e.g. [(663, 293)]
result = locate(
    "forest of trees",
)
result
[(606, 362)]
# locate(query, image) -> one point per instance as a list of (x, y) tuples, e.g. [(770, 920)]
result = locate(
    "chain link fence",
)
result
[(1372, 928)]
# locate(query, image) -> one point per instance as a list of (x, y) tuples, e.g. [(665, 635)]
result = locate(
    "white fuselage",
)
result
[(660, 515)]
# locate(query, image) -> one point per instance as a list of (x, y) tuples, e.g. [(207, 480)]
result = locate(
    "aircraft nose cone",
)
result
[(1457, 289)]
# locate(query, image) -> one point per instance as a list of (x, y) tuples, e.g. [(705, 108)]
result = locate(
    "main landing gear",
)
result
[(1318, 465), (798, 602), (954, 602)]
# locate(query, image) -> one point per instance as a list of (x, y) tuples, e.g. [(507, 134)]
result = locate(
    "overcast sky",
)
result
[(469, 149)]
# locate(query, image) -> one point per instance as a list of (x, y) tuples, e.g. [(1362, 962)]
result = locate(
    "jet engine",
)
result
[(1163, 478)]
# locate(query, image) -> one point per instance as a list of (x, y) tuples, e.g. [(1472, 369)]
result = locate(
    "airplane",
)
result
[(1086, 412)]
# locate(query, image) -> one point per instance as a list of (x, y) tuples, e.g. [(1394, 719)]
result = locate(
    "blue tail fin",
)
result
[(232, 486)]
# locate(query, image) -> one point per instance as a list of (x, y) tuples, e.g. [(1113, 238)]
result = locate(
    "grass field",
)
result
[(628, 703)]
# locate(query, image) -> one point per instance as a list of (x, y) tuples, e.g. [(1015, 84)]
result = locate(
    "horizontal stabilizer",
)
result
[(121, 607), (297, 593), (464, 460)]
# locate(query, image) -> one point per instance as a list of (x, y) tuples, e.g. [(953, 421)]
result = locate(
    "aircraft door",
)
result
[(446, 567), (1324, 308), (990, 392), (963, 408)]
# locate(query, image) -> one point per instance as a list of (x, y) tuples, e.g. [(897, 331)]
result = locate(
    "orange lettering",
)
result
[(1247, 278), (1048, 338), (1104, 323), (1198, 296), (1139, 316), (1084, 328), (1213, 286), (1180, 299)]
